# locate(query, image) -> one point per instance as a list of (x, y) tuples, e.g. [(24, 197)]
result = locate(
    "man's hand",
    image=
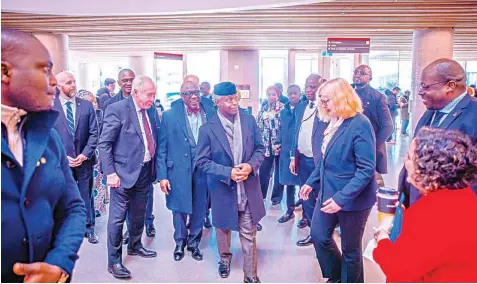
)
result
[(165, 186), (78, 161), (330, 206), (238, 175), (292, 166), (38, 272), (113, 180), (244, 168), (305, 191)]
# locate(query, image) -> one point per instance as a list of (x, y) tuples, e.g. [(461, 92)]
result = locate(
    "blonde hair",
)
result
[(344, 102)]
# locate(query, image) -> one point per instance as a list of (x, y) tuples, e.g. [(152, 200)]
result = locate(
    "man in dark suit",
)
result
[(377, 111), (125, 78), (43, 215), (127, 149), (444, 94), (185, 186), (106, 92), (78, 130), (305, 115), (230, 152)]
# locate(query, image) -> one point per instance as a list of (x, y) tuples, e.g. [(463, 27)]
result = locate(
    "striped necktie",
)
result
[(70, 118)]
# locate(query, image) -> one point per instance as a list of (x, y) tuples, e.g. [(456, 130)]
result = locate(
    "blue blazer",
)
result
[(462, 118), (286, 136), (214, 158), (346, 172), (85, 140), (118, 97), (43, 215), (175, 159), (121, 146)]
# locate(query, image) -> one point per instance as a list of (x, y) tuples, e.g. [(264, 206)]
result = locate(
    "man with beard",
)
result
[(376, 109), (78, 130), (184, 185)]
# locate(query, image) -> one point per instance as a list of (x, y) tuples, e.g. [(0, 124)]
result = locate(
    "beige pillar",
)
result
[(428, 45), (324, 66), (358, 59), (291, 67), (58, 46), (82, 80)]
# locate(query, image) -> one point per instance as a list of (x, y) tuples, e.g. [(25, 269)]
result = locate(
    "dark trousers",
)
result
[(193, 235), (132, 201), (83, 176), (305, 168), (209, 204), (347, 266), (265, 174), (291, 190), (149, 218)]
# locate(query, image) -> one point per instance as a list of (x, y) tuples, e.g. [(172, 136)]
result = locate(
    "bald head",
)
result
[(66, 84), (192, 78), (188, 86), (16, 45), (447, 70)]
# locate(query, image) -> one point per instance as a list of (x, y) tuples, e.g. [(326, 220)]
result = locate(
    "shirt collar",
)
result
[(138, 109), (448, 108), (64, 101)]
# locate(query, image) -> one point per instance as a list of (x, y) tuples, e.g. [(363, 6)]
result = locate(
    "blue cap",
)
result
[(225, 89)]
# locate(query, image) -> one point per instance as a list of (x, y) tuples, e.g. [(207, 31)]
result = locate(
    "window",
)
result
[(205, 65), (273, 69), (385, 66), (169, 77), (305, 64)]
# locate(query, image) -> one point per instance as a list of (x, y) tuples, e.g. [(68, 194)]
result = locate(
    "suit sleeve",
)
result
[(295, 132), (258, 152), (88, 151), (204, 159), (69, 219), (386, 126), (162, 153), (364, 144), (109, 134)]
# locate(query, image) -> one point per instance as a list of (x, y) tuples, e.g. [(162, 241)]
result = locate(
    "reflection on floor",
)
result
[(279, 259)]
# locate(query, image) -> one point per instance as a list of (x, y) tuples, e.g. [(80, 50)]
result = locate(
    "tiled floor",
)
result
[(279, 259)]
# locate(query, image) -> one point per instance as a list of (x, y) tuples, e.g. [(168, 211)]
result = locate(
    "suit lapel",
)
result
[(134, 118), (245, 135), (36, 140), (6, 150), (337, 135), (78, 113), (455, 112), (181, 117), (316, 123), (426, 117), (58, 107), (219, 132)]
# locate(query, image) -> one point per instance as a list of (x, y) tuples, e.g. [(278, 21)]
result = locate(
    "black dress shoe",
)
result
[(224, 268), (143, 252), (331, 280), (126, 238), (302, 223), (179, 253), (119, 271), (305, 242), (275, 202), (259, 227), (207, 223), (251, 280), (287, 217), (92, 238), (150, 231), (196, 253)]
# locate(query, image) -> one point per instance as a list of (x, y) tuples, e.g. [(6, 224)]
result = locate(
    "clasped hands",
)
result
[(76, 162), (241, 172)]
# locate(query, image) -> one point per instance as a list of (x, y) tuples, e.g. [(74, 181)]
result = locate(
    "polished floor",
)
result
[(279, 259)]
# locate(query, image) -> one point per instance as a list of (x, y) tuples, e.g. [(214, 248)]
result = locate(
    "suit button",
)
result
[(10, 164), (185, 139), (27, 202), (25, 241), (186, 154)]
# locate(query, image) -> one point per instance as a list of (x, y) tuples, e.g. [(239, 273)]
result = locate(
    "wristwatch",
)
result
[(64, 276)]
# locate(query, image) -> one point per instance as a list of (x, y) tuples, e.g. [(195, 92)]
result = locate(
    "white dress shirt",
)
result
[(63, 102), (147, 154), (306, 130)]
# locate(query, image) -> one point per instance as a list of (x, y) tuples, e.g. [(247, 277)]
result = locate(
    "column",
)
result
[(428, 45), (365, 59), (82, 80), (58, 46), (142, 65), (291, 67), (358, 59), (324, 66)]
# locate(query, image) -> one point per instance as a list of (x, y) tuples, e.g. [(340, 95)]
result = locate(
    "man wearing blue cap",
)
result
[(230, 153)]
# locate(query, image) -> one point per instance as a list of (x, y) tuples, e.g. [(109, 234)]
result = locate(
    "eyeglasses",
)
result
[(325, 102), (191, 93), (424, 87), (360, 72)]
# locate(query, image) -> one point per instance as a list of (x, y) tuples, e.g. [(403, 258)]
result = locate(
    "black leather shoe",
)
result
[(143, 252), (251, 280), (330, 280), (92, 238), (287, 217), (259, 227), (126, 238), (275, 202), (302, 223), (196, 253), (119, 271), (150, 231), (298, 203), (224, 268), (179, 253), (207, 223), (305, 242)]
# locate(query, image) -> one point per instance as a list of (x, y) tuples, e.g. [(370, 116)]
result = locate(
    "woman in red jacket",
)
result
[(438, 240)]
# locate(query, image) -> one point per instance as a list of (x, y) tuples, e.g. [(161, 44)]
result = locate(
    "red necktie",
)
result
[(193, 111), (147, 129)]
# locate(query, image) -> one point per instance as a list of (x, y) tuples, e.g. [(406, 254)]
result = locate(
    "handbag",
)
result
[(397, 222)]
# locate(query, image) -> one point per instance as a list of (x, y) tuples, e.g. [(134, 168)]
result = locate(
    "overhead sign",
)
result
[(348, 45), (162, 55)]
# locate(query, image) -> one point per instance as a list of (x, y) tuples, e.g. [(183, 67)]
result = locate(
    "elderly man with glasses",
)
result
[(184, 185)]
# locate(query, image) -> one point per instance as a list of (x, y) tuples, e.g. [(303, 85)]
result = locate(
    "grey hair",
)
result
[(138, 83)]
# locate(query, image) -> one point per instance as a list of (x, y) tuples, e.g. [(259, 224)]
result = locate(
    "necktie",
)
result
[(312, 104), (147, 129), (191, 111), (70, 118), (437, 118)]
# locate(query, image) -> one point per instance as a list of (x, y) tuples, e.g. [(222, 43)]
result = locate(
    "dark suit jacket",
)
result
[(376, 109), (214, 158), (118, 97), (85, 140), (346, 172), (102, 100), (175, 159), (462, 118), (121, 146), (43, 215), (286, 131)]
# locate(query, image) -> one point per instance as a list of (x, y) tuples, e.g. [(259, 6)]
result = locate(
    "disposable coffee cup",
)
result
[(387, 199)]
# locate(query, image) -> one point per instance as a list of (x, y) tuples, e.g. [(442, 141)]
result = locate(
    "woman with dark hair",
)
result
[(441, 164)]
